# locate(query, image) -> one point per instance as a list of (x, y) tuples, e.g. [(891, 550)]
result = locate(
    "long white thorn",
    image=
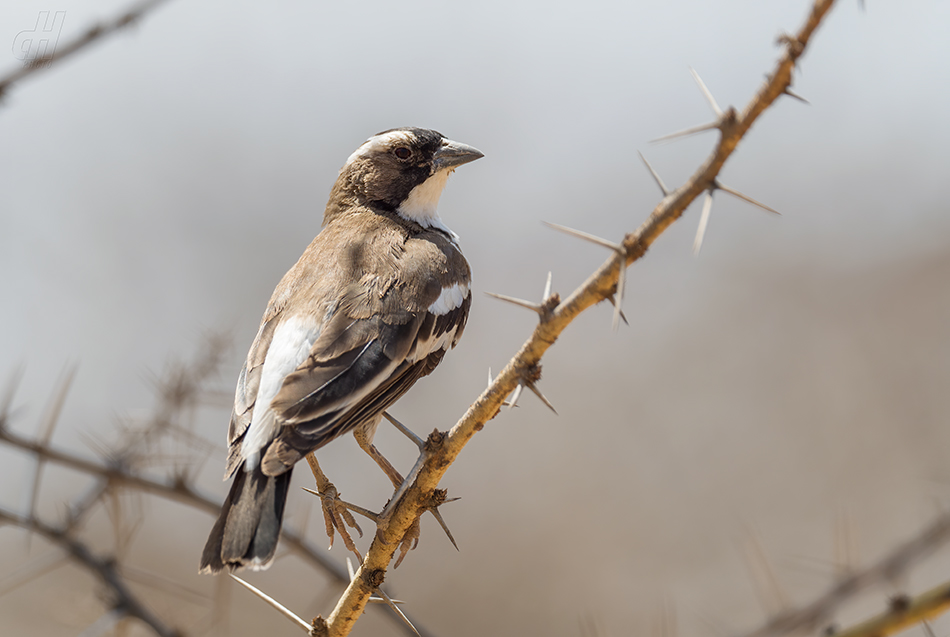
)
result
[(580, 234), (656, 175), (736, 193), (703, 222), (686, 132), (537, 392), (286, 612), (406, 430), (618, 302), (706, 93), (547, 287), (515, 395), (445, 527), (796, 96), (402, 615), (536, 307)]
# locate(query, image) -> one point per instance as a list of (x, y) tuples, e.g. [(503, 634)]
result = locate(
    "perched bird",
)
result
[(373, 304)]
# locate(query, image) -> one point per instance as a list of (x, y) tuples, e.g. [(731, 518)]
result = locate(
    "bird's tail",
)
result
[(246, 532)]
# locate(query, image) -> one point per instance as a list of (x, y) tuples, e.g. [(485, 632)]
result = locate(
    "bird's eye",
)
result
[(402, 152)]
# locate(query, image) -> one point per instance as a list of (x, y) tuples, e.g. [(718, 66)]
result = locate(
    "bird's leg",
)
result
[(335, 511), (364, 439)]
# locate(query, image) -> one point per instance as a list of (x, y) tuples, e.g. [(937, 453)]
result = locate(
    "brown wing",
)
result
[(389, 308)]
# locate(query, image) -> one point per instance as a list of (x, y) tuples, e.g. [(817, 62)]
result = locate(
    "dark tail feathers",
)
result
[(246, 533)]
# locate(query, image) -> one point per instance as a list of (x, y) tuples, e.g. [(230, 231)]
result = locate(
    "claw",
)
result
[(336, 512)]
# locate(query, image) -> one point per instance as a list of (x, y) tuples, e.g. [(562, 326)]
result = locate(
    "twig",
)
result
[(812, 615), (92, 34), (903, 612), (124, 600), (442, 449)]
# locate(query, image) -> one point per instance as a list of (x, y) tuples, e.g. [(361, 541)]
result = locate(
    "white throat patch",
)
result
[(423, 200)]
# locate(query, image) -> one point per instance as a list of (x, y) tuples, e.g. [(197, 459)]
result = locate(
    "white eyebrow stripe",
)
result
[(450, 299), (379, 142)]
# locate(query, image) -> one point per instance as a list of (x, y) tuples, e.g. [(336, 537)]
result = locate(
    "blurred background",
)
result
[(789, 383)]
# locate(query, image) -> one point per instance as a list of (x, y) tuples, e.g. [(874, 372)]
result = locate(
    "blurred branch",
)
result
[(523, 370), (123, 600), (811, 616), (92, 34), (903, 612), (177, 490), (181, 387)]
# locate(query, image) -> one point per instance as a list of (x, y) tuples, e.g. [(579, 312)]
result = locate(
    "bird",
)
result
[(372, 305)]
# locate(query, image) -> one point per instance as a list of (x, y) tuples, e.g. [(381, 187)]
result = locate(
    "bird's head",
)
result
[(402, 170)]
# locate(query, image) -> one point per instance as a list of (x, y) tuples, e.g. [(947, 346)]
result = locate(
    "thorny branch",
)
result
[(180, 388), (123, 601), (903, 612), (811, 616), (443, 447)]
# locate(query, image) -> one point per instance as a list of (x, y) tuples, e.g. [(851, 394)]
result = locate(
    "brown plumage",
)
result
[(373, 304)]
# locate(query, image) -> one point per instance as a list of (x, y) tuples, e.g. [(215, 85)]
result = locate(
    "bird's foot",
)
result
[(336, 513)]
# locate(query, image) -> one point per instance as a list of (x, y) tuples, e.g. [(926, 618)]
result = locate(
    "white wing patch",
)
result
[(290, 346), (450, 299)]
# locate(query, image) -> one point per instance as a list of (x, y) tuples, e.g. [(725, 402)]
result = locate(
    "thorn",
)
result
[(621, 273), (47, 425), (392, 605), (373, 599), (12, 385), (706, 93), (547, 288), (686, 132), (610, 245), (352, 507), (515, 395), (409, 432), (286, 612), (30, 571), (656, 176), (537, 392), (445, 527), (703, 222), (747, 198), (618, 302), (798, 97), (623, 317), (382, 520), (510, 299), (771, 594)]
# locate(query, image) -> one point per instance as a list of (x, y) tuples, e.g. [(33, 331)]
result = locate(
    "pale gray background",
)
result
[(159, 184)]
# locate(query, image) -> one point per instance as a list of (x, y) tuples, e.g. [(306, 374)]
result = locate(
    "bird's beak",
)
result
[(453, 154)]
